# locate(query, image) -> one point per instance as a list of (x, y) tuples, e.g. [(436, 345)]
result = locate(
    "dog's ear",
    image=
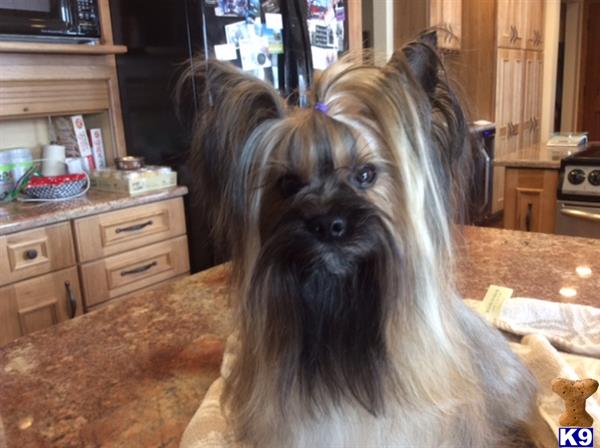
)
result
[(448, 124), (423, 61), (231, 104)]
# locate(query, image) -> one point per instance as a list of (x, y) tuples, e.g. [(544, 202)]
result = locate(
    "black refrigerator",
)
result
[(279, 41)]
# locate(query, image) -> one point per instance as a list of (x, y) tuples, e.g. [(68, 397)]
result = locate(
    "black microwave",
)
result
[(55, 20)]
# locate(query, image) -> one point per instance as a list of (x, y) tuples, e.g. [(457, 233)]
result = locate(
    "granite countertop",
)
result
[(537, 156), (17, 216), (132, 374)]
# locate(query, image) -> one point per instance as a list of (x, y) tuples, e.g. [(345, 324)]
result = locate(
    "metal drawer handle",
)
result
[(31, 254), (71, 302), (580, 214), (134, 227), (528, 217), (143, 268), (488, 169)]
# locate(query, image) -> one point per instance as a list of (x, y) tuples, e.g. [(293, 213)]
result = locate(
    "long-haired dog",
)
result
[(338, 218)]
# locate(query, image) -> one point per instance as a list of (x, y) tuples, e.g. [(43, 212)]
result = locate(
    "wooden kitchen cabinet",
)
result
[(110, 233), (510, 23), (532, 105), (445, 15), (533, 26), (38, 303), (509, 103), (34, 252), (54, 272), (413, 16), (530, 199), (520, 24), (509, 100), (120, 274)]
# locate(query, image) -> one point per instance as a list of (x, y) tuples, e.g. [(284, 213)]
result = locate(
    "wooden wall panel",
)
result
[(475, 66), (355, 25)]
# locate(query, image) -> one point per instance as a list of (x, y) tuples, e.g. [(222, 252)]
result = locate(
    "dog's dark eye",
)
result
[(365, 176), (289, 185)]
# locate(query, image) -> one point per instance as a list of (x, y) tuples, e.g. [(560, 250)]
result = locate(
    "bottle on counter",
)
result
[(6, 176)]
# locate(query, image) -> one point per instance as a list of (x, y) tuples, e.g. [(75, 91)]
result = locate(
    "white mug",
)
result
[(54, 160)]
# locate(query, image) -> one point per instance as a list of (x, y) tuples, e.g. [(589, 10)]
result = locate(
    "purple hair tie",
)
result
[(322, 107)]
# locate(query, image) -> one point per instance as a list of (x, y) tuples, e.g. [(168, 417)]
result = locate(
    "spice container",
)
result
[(21, 161)]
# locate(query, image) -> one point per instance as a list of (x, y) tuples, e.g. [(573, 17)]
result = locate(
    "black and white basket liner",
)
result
[(56, 188), (64, 190)]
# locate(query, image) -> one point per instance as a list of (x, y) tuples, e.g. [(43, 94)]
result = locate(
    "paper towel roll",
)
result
[(54, 160)]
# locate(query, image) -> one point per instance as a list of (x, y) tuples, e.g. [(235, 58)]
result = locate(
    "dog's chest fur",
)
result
[(479, 412)]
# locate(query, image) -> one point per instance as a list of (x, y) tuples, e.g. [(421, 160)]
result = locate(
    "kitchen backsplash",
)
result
[(31, 133)]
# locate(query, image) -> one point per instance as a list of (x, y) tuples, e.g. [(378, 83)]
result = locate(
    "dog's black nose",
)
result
[(328, 227)]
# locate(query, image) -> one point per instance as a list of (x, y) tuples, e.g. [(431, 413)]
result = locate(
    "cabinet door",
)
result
[(446, 17), (38, 303), (532, 104), (530, 199), (534, 24), (509, 100), (537, 88), (511, 22), (509, 85), (35, 252)]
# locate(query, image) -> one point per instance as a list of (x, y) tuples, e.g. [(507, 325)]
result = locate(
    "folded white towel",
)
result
[(569, 327)]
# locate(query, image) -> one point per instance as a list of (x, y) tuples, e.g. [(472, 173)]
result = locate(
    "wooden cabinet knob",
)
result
[(31, 254)]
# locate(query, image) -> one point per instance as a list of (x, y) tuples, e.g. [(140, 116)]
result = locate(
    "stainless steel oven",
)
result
[(578, 219), (578, 204)]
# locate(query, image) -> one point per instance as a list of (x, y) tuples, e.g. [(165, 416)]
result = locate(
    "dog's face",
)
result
[(323, 196)]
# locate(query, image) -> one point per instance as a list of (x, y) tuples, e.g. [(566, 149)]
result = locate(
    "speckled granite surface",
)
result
[(16, 216), (132, 374), (536, 156)]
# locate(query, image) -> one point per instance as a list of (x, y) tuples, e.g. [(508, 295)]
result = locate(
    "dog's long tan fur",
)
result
[(360, 341)]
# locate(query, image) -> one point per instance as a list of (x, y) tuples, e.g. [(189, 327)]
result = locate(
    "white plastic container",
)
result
[(6, 176), (21, 161)]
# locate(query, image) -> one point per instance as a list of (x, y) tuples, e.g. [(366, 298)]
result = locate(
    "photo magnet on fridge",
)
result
[(237, 31), (231, 8)]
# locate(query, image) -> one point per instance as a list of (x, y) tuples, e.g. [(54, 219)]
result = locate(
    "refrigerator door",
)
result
[(269, 38), (328, 30)]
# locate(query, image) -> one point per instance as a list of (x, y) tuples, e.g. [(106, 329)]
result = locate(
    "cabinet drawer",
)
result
[(122, 230), (120, 274), (38, 303), (34, 252), (136, 293)]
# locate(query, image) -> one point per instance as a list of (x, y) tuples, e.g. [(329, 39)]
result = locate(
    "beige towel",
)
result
[(208, 427), (546, 363), (546, 325)]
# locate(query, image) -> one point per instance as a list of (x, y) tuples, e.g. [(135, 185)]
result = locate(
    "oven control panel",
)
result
[(581, 180)]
